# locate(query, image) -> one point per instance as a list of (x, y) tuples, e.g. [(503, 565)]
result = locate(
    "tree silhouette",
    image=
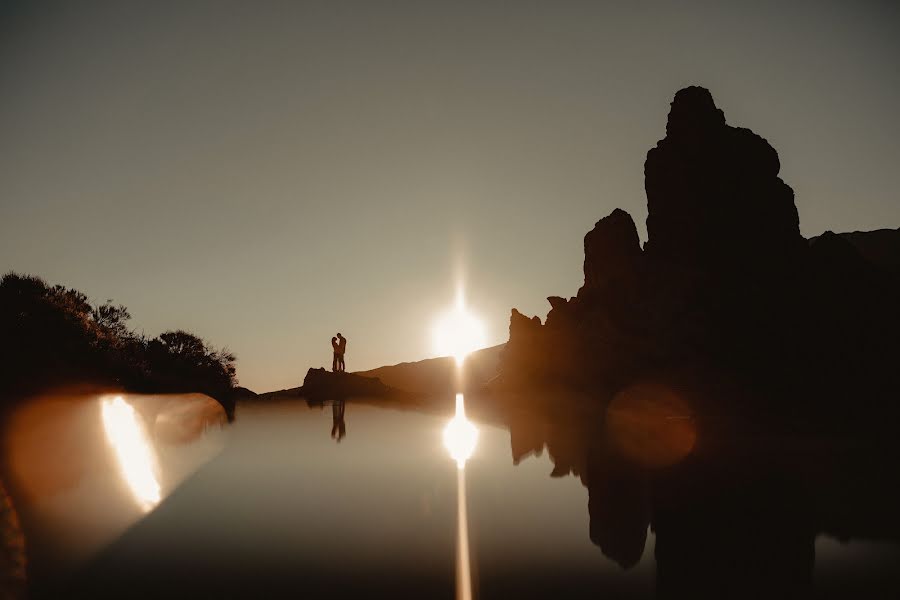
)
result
[(53, 334)]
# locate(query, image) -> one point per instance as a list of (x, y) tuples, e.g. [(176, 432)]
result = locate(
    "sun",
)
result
[(458, 332)]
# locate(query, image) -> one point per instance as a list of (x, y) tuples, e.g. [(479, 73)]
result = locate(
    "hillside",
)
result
[(880, 247), (437, 375), (429, 376)]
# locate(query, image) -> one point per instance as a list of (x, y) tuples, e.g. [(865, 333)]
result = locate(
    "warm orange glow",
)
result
[(651, 424), (458, 332), (133, 450)]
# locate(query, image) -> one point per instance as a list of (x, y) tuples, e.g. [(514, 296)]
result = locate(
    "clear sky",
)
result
[(266, 174)]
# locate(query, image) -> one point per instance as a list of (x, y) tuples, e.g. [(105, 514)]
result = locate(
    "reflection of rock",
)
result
[(650, 425), (619, 509), (321, 384), (737, 517), (618, 490), (527, 437), (185, 418), (732, 531)]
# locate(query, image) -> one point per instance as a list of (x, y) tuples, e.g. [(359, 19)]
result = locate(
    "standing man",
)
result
[(341, 350)]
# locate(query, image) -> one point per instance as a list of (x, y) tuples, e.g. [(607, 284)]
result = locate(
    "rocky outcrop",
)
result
[(725, 283), (714, 198), (321, 384), (612, 254), (578, 332)]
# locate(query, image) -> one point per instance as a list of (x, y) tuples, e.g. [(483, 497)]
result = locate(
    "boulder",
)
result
[(321, 384)]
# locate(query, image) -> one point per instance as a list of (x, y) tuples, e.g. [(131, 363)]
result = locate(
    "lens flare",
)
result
[(458, 332), (133, 450)]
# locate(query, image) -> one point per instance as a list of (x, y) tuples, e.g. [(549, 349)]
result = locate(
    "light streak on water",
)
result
[(133, 449), (460, 438), (463, 564)]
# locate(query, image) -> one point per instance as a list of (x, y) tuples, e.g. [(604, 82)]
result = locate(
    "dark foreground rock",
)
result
[(880, 247), (724, 284), (321, 384)]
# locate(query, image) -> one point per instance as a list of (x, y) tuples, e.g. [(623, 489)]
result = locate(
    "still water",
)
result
[(291, 504), (363, 499)]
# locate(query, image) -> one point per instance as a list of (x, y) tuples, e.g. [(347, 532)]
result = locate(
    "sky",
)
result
[(265, 174)]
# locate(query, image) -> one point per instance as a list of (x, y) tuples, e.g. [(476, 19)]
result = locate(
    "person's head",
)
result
[(339, 334), (334, 339)]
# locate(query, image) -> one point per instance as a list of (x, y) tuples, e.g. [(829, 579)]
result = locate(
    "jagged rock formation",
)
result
[(725, 282), (714, 197), (612, 254)]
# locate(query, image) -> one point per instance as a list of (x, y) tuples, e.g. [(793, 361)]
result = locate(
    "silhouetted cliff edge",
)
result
[(724, 283)]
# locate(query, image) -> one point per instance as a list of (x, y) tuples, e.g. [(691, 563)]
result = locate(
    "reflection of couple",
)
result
[(339, 345), (338, 427)]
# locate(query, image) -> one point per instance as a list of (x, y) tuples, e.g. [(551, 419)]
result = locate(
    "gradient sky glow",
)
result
[(265, 174)]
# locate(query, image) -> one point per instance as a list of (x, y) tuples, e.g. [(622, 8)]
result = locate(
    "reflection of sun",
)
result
[(460, 435), (460, 438), (458, 332)]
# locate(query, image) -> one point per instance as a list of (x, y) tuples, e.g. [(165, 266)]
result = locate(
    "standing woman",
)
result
[(337, 359)]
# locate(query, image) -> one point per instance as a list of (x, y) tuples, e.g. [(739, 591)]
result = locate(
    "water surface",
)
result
[(361, 499)]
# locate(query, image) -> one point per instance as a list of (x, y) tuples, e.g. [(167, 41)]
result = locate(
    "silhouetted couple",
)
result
[(339, 345)]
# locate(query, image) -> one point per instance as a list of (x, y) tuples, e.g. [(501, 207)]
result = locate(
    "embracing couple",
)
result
[(339, 345)]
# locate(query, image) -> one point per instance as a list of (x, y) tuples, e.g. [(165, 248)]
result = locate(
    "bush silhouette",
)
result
[(51, 335)]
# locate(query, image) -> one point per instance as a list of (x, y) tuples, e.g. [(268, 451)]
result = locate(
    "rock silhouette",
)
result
[(725, 283), (730, 330), (321, 384), (612, 255), (880, 247), (714, 198)]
